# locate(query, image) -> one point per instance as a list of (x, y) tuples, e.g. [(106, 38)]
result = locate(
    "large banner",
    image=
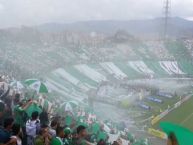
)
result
[(155, 120), (157, 133), (159, 117)]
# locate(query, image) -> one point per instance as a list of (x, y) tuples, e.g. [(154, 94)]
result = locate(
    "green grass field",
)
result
[(156, 107), (183, 115)]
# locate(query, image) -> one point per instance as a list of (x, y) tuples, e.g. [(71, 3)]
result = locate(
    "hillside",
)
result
[(152, 27)]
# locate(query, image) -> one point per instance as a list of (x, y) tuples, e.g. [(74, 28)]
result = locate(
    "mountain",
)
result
[(177, 27)]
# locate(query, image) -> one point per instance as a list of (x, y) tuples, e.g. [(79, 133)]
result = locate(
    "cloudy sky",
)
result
[(34, 12)]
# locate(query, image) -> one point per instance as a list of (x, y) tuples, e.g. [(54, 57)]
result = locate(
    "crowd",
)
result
[(39, 129), (24, 122)]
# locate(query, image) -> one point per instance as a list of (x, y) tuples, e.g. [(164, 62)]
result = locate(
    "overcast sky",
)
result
[(34, 12)]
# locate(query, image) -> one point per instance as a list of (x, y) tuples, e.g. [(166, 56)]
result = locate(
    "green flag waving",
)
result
[(32, 108), (184, 136)]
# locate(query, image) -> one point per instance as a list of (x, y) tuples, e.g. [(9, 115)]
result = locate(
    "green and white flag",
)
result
[(69, 106), (37, 85), (32, 108), (45, 104)]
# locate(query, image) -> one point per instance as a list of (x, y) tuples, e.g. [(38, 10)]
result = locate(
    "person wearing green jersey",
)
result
[(19, 110), (44, 137), (58, 140)]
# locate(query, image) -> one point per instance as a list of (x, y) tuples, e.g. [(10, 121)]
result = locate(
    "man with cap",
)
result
[(67, 136)]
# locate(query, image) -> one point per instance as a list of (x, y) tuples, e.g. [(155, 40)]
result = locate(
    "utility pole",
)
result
[(167, 11)]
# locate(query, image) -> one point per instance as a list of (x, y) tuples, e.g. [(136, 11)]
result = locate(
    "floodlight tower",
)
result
[(167, 12)]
